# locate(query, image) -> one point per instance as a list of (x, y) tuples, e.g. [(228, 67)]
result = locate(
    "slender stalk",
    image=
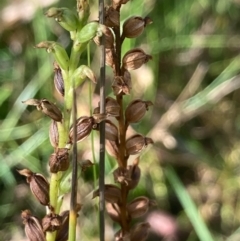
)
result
[(102, 129)]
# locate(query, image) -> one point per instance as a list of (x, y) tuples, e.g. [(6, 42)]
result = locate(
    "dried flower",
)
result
[(112, 17), (59, 160), (109, 38), (38, 185), (58, 79), (136, 110), (51, 222), (53, 134), (33, 227), (121, 85), (138, 207), (134, 173), (137, 143), (135, 58)]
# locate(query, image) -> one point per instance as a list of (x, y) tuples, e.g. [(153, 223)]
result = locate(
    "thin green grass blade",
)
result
[(188, 205)]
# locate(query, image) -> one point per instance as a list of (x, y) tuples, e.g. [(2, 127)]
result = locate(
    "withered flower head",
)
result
[(46, 107), (121, 85), (112, 193), (138, 207), (136, 110), (38, 185), (51, 222), (122, 176), (84, 126), (135, 58), (33, 228), (58, 79), (59, 160), (137, 143), (53, 134), (134, 26)]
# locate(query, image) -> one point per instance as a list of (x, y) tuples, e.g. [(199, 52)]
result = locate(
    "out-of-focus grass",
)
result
[(195, 132)]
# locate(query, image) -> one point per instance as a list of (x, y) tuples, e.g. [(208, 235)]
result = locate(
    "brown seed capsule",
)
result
[(113, 211), (112, 17), (137, 143), (135, 58), (62, 233), (50, 110), (46, 107), (38, 185), (112, 148), (109, 38), (135, 174), (136, 110), (120, 87), (51, 222), (140, 232), (58, 79), (53, 134), (59, 161), (33, 227), (112, 193), (84, 127), (138, 207)]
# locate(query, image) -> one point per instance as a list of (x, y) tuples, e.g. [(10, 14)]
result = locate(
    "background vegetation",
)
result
[(193, 169)]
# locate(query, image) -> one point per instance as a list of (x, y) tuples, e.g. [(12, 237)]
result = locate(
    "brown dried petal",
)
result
[(53, 134), (33, 227), (59, 161), (51, 222), (113, 211), (119, 86), (38, 185), (58, 79), (135, 58), (140, 232), (138, 207), (137, 143), (112, 193), (84, 127), (50, 110), (136, 110)]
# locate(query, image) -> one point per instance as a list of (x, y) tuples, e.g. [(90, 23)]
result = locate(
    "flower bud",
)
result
[(138, 207), (58, 79), (140, 232), (38, 184), (113, 211), (134, 26), (112, 193), (137, 143), (135, 58), (33, 227), (66, 18), (58, 52), (88, 32), (51, 222), (81, 73), (84, 126), (136, 110), (59, 161), (109, 38), (112, 17), (53, 134)]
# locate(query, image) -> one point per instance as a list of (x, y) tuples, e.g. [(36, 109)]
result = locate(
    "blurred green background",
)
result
[(192, 170)]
